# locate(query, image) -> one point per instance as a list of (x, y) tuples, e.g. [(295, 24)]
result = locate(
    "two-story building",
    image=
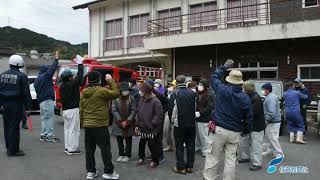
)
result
[(268, 39)]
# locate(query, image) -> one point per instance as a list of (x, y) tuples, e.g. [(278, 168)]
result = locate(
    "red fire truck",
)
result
[(119, 75)]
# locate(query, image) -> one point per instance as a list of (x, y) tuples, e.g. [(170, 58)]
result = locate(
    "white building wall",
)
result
[(94, 36), (139, 7), (200, 1), (167, 4)]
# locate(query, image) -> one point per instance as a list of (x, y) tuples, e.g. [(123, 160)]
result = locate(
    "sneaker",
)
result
[(180, 171), (24, 126), (73, 153), (43, 138), (140, 162), (120, 159), (52, 139), (153, 165), (125, 159), (168, 149), (255, 168), (189, 170), (161, 160), (244, 161), (91, 175), (111, 176), (66, 151)]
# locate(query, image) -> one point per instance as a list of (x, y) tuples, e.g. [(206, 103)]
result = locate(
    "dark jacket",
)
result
[(258, 123), (186, 104), (14, 86), (70, 91), (232, 104), (149, 114), (44, 84), (121, 114), (163, 99), (205, 107)]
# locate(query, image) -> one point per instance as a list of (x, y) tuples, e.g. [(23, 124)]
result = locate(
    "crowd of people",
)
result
[(213, 117)]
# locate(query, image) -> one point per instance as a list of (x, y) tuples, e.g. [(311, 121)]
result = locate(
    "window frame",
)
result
[(304, 4), (259, 69), (201, 25), (139, 34), (299, 66), (117, 37), (178, 28), (242, 20)]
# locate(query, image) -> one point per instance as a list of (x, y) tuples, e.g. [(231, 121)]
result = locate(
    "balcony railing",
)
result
[(234, 16)]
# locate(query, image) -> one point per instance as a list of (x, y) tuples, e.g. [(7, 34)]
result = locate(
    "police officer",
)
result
[(14, 96)]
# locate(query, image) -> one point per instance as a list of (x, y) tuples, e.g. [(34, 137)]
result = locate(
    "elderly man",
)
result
[(234, 106), (272, 116)]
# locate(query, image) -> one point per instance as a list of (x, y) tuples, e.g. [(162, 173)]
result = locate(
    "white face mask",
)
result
[(125, 93), (200, 88), (141, 93), (194, 90), (263, 92), (157, 85), (170, 89)]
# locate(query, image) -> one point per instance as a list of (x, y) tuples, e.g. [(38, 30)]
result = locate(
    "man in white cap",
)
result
[(233, 107), (14, 96)]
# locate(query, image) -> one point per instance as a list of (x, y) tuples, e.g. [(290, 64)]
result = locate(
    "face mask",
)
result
[(157, 85), (141, 93), (170, 89), (125, 93), (263, 92), (130, 85), (200, 88), (194, 90)]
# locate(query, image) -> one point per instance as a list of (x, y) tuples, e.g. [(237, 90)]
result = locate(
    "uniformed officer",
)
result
[(14, 95)]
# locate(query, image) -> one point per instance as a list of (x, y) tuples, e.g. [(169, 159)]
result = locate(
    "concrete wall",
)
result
[(242, 34)]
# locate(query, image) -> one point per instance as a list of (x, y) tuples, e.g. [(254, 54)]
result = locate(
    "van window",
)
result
[(104, 72), (125, 76)]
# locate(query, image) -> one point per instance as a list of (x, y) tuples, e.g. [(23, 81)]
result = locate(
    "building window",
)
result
[(242, 13), (203, 17), (310, 3), (169, 21), (114, 35), (138, 30), (309, 72), (259, 70)]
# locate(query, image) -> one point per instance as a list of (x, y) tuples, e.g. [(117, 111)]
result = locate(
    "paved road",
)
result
[(48, 161)]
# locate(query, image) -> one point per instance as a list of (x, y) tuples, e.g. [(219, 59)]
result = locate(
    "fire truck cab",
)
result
[(119, 75)]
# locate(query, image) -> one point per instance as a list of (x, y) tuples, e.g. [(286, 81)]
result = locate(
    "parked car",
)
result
[(277, 89)]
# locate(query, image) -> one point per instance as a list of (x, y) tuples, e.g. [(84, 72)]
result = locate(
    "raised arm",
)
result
[(50, 72)]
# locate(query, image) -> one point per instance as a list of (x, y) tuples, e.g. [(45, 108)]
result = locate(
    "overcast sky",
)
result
[(54, 18)]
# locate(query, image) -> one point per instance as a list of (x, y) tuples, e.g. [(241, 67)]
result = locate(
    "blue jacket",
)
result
[(186, 104), (292, 100), (43, 84), (232, 106), (14, 86), (271, 106), (307, 101)]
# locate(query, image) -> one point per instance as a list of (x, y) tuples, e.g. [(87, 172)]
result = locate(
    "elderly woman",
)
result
[(255, 137), (149, 122), (124, 111)]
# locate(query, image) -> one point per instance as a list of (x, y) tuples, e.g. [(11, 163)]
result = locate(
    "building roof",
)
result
[(6, 51), (35, 63), (85, 5)]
